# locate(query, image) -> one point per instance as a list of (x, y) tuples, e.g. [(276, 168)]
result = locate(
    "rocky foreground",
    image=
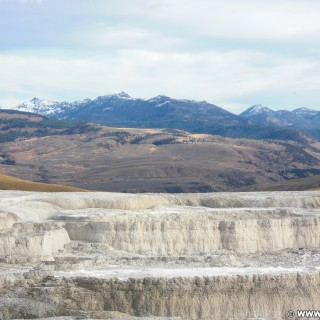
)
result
[(189, 256)]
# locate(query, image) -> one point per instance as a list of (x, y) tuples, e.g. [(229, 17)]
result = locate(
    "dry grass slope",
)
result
[(309, 183), (11, 183), (155, 160)]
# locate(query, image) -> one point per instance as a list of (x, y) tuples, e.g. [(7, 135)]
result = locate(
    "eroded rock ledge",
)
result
[(195, 256)]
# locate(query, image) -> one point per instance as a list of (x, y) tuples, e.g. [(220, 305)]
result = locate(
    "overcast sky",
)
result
[(228, 52)]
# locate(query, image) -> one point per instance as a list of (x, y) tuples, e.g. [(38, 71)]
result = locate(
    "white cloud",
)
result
[(125, 37), (252, 19), (220, 51), (246, 19), (224, 77)]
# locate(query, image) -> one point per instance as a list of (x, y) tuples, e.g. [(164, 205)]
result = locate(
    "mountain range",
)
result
[(301, 119), (121, 110)]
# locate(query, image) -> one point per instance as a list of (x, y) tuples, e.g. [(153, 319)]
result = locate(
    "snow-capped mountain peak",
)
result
[(303, 119), (159, 99), (122, 95), (117, 95), (305, 111), (257, 109), (53, 108), (36, 100), (36, 105)]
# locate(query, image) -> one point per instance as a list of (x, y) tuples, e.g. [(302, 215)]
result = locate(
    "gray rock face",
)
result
[(147, 256)]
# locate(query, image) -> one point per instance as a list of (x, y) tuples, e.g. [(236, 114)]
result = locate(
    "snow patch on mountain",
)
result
[(159, 99), (162, 104), (305, 111), (52, 108), (41, 106), (257, 109), (119, 95)]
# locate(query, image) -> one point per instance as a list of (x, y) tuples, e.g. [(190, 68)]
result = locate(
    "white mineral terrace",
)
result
[(125, 273), (158, 256)]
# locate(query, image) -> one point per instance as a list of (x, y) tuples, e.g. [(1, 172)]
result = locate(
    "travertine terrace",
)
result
[(158, 256)]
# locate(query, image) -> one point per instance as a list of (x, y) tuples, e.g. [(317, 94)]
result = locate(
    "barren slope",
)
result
[(11, 183), (310, 183), (156, 160)]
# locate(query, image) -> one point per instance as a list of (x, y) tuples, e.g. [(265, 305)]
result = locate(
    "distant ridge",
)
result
[(121, 110), (302, 119)]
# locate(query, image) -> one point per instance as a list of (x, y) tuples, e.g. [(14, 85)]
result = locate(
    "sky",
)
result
[(230, 53)]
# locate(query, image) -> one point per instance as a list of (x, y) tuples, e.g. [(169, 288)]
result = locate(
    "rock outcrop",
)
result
[(196, 256)]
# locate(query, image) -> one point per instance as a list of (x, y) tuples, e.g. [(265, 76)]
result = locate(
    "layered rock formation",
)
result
[(188, 256)]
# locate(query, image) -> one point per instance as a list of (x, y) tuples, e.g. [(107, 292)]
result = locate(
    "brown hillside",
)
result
[(59, 153), (156, 160), (309, 183), (11, 183)]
